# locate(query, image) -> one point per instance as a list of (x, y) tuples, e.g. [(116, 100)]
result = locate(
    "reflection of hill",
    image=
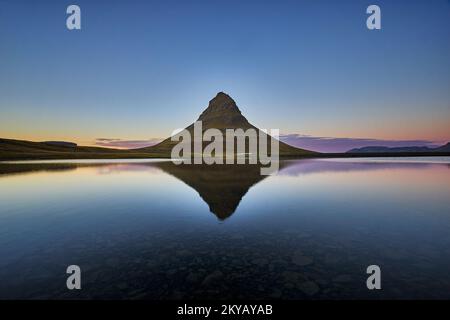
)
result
[(220, 186), (304, 167), (10, 168)]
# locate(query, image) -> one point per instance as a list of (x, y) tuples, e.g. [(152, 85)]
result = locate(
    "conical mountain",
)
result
[(223, 113)]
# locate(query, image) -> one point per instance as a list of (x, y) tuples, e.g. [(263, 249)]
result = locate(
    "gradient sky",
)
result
[(140, 69)]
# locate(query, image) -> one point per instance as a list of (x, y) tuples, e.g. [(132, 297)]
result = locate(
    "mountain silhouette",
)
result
[(382, 149), (222, 113)]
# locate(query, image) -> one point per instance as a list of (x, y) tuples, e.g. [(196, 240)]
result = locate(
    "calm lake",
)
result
[(147, 229)]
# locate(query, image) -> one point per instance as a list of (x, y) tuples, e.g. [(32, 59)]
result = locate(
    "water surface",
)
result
[(152, 230)]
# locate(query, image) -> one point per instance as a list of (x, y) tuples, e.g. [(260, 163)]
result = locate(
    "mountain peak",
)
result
[(222, 94), (222, 101), (222, 111)]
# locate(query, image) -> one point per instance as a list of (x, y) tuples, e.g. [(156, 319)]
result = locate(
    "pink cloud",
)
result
[(126, 144), (330, 144)]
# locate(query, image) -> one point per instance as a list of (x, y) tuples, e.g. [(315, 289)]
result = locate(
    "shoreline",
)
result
[(130, 156)]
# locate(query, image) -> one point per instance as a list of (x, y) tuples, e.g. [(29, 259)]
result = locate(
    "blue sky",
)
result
[(140, 69)]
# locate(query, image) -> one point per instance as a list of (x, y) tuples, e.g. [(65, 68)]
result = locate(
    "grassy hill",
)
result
[(11, 149), (27, 150)]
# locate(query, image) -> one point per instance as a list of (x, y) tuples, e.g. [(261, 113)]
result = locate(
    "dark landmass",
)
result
[(381, 149), (27, 150), (11, 150), (61, 144), (222, 113), (383, 154)]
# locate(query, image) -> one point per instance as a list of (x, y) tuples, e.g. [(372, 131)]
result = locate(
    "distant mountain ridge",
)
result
[(382, 149)]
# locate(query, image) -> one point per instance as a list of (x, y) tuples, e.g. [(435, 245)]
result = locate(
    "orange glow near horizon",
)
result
[(85, 132)]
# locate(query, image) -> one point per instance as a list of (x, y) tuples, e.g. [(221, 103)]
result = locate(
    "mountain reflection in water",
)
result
[(222, 187), (142, 229)]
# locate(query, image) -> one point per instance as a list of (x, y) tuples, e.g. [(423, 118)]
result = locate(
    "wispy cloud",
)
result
[(330, 144), (126, 144), (321, 144)]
